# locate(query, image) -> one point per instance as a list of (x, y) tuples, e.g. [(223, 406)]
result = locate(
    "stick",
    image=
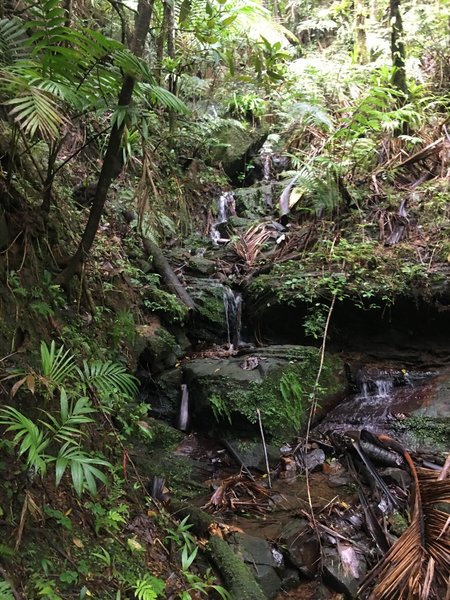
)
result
[(269, 481)]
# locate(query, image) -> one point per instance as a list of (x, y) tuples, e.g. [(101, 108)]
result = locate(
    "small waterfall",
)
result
[(266, 161), (232, 302), (183, 414), (377, 388), (226, 207)]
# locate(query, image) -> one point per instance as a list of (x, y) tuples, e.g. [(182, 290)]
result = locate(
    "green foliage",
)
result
[(293, 405), (149, 588), (56, 438), (5, 591)]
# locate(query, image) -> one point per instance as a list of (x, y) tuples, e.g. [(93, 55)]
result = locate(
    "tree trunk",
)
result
[(397, 47), (112, 162), (172, 83), (360, 47), (161, 264), (160, 43)]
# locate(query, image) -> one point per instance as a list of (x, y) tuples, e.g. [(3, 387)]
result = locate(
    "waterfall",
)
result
[(226, 207), (232, 302), (266, 160), (183, 414)]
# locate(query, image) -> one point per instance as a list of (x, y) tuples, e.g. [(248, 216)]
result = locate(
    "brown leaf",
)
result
[(30, 383), (15, 388)]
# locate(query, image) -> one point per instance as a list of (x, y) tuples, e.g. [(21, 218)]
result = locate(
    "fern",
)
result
[(6, 591), (149, 588)]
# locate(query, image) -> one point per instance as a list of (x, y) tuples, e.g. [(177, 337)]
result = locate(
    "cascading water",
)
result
[(233, 312), (266, 161), (381, 395), (183, 414), (226, 207)]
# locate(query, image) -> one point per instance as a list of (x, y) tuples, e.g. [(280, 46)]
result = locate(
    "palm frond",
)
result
[(83, 468), (250, 244), (34, 110), (108, 378), (417, 565), (12, 41), (162, 97), (57, 365)]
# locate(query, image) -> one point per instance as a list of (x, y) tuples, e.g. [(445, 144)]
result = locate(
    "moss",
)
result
[(283, 397), (236, 574), (429, 431), (365, 272)]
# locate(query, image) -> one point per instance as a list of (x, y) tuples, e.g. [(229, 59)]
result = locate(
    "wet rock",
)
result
[(252, 454), (163, 394), (156, 347), (344, 569), (210, 322), (279, 387), (302, 546), (201, 265), (257, 553), (313, 459)]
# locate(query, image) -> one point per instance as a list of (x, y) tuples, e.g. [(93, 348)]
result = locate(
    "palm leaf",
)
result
[(108, 378), (417, 565), (12, 40)]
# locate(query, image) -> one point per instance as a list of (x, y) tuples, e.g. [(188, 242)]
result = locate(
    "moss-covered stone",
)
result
[(280, 387)]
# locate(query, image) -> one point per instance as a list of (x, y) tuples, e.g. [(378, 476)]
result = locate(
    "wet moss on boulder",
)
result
[(280, 385)]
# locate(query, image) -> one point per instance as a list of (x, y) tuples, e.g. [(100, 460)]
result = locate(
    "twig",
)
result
[(312, 410), (266, 458)]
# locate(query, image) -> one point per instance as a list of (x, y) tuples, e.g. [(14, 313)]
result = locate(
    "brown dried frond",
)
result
[(238, 492), (417, 566), (249, 246)]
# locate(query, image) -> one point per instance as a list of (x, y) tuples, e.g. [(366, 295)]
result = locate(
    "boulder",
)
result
[(277, 380)]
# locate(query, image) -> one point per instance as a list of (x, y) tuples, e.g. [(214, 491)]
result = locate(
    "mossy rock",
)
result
[(156, 347), (228, 391), (209, 322)]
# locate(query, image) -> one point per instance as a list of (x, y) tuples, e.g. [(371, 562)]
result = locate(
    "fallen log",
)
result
[(162, 266)]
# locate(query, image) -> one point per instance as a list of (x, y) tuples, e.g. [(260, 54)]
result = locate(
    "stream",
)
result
[(343, 472)]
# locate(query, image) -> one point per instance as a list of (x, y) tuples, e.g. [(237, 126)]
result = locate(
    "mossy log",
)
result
[(163, 267), (237, 577)]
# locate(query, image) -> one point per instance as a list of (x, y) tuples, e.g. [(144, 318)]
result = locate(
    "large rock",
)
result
[(277, 380)]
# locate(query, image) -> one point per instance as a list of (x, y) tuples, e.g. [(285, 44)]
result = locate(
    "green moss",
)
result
[(428, 431), (283, 397), (365, 272), (237, 577)]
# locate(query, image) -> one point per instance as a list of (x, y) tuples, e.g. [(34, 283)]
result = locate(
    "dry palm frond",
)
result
[(418, 564), (249, 246), (239, 493)]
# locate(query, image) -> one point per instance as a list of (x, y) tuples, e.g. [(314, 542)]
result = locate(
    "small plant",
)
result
[(149, 588), (6, 591)]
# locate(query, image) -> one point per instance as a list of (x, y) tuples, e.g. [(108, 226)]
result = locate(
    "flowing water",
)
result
[(382, 395), (233, 312), (183, 414), (226, 207)]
